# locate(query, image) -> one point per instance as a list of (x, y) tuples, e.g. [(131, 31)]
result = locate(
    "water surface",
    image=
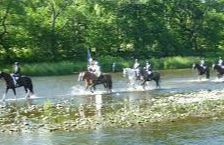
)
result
[(61, 88)]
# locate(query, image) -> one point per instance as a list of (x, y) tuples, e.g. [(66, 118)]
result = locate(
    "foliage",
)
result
[(70, 67), (56, 30)]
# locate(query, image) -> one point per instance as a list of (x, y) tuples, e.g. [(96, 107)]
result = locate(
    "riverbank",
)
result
[(66, 117), (70, 67)]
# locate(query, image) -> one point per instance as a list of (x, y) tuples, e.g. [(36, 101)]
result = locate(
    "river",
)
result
[(59, 88)]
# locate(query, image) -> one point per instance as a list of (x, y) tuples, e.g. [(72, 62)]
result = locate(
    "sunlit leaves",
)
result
[(63, 29)]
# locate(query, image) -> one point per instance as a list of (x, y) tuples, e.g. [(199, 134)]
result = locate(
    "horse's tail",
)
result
[(108, 80), (110, 83), (157, 78), (31, 87), (27, 83)]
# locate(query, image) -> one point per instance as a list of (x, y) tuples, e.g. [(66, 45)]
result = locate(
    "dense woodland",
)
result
[(56, 30)]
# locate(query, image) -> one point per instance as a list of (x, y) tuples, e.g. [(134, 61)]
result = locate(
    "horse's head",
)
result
[(80, 76), (198, 67), (3, 74)]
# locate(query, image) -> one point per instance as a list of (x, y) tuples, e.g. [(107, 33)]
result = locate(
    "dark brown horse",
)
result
[(91, 80), (24, 81), (153, 76)]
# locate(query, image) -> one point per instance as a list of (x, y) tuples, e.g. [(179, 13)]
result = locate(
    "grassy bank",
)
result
[(69, 67)]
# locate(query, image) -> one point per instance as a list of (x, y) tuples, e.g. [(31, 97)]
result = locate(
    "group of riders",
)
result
[(204, 65), (94, 68), (137, 67)]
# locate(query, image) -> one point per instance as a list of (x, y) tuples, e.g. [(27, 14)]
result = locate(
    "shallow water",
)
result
[(60, 88), (66, 87), (200, 132)]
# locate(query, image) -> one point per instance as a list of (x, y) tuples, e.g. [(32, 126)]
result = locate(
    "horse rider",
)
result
[(148, 68), (136, 67), (90, 66), (95, 69), (16, 73), (202, 63), (220, 62)]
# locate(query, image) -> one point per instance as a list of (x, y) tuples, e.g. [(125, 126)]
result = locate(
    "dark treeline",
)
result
[(55, 30)]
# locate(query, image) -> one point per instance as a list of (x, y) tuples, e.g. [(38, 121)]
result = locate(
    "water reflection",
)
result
[(183, 132), (98, 103)]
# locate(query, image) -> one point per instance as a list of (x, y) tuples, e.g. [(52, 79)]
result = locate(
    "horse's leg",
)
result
[(87, 84), (14, 91), (27, 91), (108, 86), (92, 88), (157, 83), (143, 84), (4, 95), (105, 85)]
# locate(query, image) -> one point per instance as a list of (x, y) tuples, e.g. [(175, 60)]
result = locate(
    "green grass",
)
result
[(69, 67), (59, 68)]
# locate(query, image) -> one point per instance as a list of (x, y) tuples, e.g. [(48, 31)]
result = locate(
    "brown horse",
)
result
[(91, 80)]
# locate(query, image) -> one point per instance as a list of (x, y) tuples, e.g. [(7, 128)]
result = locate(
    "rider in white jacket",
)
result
[(95, 69), (148, 67), (136, 67)]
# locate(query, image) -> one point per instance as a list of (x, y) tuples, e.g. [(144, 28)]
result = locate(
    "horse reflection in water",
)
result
[(91, 81), (201, 70)]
